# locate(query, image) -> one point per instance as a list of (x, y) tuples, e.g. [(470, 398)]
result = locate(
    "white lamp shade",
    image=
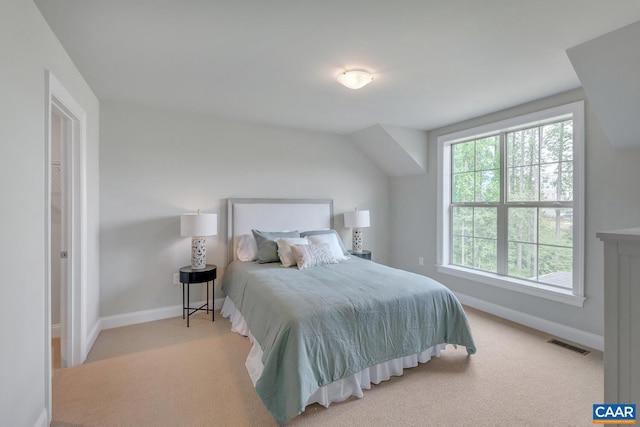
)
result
[(357, 219), (198, 224)]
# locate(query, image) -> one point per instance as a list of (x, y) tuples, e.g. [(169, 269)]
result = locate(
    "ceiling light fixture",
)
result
[(355, 79)]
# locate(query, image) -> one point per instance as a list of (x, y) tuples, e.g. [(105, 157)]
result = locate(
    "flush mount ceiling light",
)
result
[(355, 79)]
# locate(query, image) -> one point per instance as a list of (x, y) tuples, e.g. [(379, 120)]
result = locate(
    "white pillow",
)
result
[(247, 249), (312, 255), (331, 240), (284, 249)]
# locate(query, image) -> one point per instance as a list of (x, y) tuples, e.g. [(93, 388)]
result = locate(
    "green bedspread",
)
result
[(322, 324)]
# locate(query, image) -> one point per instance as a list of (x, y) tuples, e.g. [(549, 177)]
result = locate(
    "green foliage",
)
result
[(476, 170), (552, 259), (464, 157), (540, 242), (484, 253), (463, 187), (523, 148), (475, 237), (522, 260), (540, 163)]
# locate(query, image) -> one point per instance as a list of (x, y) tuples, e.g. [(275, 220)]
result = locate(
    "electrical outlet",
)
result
[(176, 279), (420, 261)]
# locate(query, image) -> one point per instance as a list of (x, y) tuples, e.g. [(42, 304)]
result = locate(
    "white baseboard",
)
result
[(91, 339), (562, 331), (126, 319), (217, 303), (56, 330), (43, 419)]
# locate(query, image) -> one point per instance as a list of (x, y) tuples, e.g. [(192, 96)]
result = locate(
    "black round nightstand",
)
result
[(363, 254), (188, 276)]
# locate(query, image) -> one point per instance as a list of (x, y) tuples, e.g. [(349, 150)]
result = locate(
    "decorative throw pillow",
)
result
[(331, 240), (345, 252), (284, 249), (312, 255), (247, 249), (267, 247)]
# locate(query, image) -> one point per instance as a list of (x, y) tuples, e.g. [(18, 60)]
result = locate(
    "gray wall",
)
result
[(28, 48), (612, 201), (156, 165)]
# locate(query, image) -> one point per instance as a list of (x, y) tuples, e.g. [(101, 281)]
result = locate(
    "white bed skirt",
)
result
[(339, 390)]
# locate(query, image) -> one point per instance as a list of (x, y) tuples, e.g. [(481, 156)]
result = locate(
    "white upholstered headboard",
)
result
[(243, 215)]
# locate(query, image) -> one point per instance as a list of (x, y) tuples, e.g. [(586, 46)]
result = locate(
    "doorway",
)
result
[(65, 225), (57, 225)]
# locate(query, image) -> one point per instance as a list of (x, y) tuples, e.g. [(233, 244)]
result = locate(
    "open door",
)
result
[(67, 119)]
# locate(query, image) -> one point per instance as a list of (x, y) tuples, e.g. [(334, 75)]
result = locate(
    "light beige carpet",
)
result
[(165, 374), (55, 354)]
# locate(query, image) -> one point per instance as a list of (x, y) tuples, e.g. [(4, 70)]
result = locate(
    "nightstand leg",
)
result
[(212, 284), (188, 299), (183, 306)]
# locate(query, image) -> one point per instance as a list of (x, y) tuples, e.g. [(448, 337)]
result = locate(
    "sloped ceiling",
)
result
[(397, 151), (609, 69)]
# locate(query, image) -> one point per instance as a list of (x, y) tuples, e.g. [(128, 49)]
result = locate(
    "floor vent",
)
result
[(582, 351)]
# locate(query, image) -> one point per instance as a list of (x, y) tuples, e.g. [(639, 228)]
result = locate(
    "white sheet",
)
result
[(338, 390)]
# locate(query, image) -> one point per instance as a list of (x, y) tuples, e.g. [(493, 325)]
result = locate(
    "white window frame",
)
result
[(575, 296)]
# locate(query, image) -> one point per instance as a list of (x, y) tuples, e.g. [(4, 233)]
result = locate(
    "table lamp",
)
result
[(356, 221), (198, 226)]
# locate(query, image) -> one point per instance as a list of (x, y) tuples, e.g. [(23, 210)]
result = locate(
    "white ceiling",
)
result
[(276, 62)]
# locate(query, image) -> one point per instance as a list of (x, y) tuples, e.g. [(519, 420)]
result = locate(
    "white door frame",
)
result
[(59, 100)]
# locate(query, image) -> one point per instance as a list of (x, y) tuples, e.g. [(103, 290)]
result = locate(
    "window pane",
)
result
[(567, 142), (557, 142), (522, 260), (463, 251), (555, 266), (462, 221), (487, 186), (485, 222), (463, 155), (488, 153), (523, 226), (556, 181), (556, 227), (523, 184), (565, 189), (484, 252), (550, 180), (523, 148), (463, 187)]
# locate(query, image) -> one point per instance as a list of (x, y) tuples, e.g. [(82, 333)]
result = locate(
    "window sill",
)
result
[(521, 286)]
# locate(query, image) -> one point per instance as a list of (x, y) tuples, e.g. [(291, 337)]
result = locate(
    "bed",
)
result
[(323, 333)]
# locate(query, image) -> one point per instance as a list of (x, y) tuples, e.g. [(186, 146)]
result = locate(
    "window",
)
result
[(511, 203)]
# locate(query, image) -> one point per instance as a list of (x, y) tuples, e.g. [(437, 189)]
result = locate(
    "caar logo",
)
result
[(604, 413)]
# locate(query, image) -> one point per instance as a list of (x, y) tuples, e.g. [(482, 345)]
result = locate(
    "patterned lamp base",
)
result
[(198, 253), (356, 242)]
